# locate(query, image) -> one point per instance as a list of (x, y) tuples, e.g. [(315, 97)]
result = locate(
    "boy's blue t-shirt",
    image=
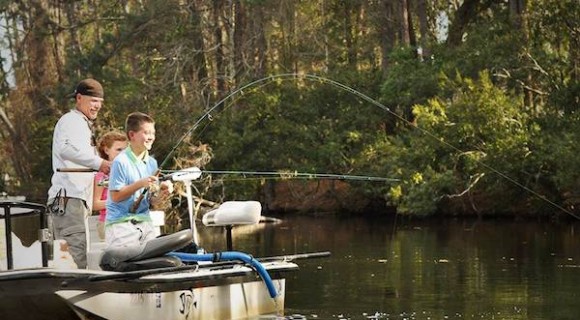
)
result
[(125, 170)]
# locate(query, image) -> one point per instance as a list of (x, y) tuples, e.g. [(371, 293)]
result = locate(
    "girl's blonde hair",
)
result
[(107, 140)]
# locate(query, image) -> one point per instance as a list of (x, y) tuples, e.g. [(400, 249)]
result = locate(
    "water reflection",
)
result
[(436, 269), (450, 269)]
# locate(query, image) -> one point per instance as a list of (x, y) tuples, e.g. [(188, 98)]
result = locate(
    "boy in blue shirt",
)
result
[(132, 172)]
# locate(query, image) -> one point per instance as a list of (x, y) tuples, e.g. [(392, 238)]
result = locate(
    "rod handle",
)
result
[(142, 195), (75, 170)]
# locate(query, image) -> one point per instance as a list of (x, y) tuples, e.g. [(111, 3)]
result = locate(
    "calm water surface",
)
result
[(436, 269), (448, 269)]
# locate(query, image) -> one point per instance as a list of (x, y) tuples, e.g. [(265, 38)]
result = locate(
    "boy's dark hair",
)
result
[(135, 120)]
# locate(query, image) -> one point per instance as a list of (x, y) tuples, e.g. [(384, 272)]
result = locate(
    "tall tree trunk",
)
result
[(348, 31), (36, 69), (423, 29), (289, 61), (239, 47), (466, 12), (404, 22), (518, 19), (70, 10), (220, 65), (197, 69), (386, 31), (260, 46), (324, 13)]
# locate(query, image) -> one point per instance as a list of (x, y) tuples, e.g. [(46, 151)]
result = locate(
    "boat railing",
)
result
[(10, 209)]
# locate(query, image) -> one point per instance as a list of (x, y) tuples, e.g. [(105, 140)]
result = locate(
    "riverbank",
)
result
[(332, 197)]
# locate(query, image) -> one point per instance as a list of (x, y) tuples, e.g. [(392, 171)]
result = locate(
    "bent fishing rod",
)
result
[(291, 76), (312, 77), (283, 175)]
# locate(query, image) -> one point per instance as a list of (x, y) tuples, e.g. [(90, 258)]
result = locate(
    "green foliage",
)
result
[(555, 54), (409, 81), (480, 130), (305, 127), (468, 128)]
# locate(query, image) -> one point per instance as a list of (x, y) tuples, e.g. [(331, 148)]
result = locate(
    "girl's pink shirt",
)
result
[(101, 176)]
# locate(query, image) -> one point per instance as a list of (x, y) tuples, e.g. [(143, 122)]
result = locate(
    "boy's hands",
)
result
[(149, 182)]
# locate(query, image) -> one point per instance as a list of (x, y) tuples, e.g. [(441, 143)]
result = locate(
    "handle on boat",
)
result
[(75, 170), (311, 255)]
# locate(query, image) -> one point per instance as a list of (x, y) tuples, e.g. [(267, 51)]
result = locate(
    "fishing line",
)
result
[(207, 114), (294, 76), (210, 118)]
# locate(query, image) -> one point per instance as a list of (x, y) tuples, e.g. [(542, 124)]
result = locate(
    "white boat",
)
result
[(153, 281)]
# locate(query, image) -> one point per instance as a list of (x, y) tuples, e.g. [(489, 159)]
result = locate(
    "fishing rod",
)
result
[(131, 275), (265, 80), (292, 175), (294, 76), (207, 114)]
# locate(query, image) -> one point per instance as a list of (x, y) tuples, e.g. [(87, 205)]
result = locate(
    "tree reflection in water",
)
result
[(423, 269)]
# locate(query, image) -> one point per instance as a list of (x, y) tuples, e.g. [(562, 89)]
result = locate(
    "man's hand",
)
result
[(105, 166)]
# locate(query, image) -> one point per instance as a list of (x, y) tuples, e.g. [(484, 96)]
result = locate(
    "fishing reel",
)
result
[(183, 175)]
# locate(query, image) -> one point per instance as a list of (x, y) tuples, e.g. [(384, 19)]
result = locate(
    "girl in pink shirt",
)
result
[(109, 146)]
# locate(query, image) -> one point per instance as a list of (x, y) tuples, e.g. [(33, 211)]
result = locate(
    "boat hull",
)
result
[(234, 301), (213, 291)]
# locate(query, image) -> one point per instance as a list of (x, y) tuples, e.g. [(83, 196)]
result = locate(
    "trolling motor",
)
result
[(187, 176)]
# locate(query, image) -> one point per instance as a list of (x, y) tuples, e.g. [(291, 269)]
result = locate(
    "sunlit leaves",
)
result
[(477, 129)]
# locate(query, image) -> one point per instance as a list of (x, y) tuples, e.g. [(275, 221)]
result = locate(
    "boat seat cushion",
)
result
[(233, 213), (151, 263), (112, 258)]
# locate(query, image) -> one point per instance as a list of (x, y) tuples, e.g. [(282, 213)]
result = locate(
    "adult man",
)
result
[(73, 146)]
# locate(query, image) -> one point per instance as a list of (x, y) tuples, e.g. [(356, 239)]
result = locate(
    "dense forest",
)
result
[(467, 107)]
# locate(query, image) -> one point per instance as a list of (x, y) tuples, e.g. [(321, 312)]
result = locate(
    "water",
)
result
[(447, 269), (433, 269)]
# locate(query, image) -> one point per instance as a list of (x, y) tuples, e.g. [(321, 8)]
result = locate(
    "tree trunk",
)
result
[(239, 47), (386, 31), (423, 29), (468, 10), (348, 32), (404, 23), (518, 19), (197, 71), (220, 65), (35, 66), (73, 45), (288, 60), (261, 47)]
